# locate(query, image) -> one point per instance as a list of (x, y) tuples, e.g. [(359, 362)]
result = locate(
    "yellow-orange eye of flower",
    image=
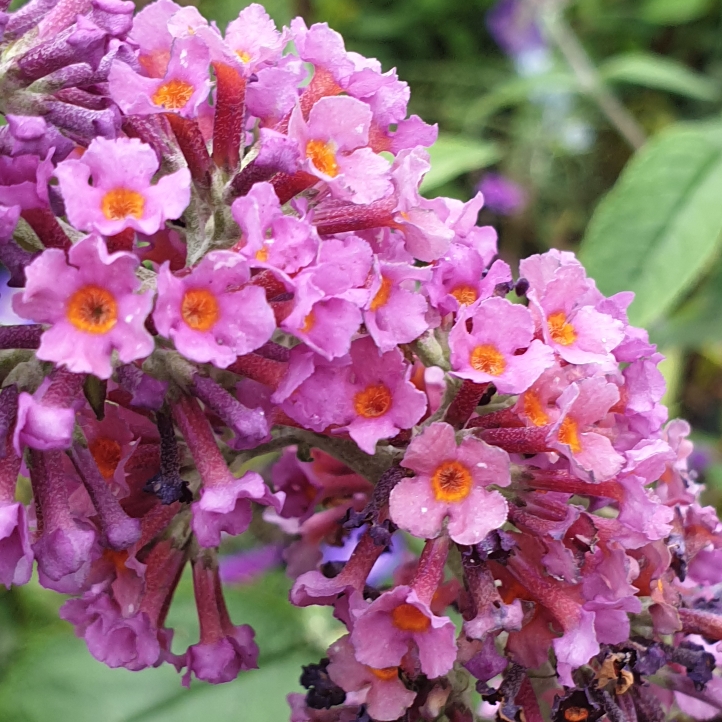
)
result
[(561, 331), (534, 410), (451, 481), (374, 401), (386, 674), (308, 323), (569, 435), (121, 203), (382, 295), (465, 295), (323, 156), (576, 714), (408, 618), (487, 359), (92, 309), (117, 559), (173, 95), (244, 56), (107, 453), (262, 254), (199, 309)]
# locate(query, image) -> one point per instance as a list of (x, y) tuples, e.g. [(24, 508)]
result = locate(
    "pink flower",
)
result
[(270, 237), (459, 279), (182, 89), (381, 398), (582, 405), (251, 41), (565, 311), (121, 195), (382, 690), (489, 351), (334, 148), (397, 622), (395, 312), (212, 315), (372, 397), (91, 302), (451, 481)]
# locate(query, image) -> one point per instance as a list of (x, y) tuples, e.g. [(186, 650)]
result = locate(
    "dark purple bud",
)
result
[(322, 692), (522, 286), (167, 484)]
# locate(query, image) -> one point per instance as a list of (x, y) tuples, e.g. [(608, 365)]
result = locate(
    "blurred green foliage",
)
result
[(648, 221)]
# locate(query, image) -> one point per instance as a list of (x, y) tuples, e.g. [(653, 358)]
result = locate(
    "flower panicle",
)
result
[(229, 296)]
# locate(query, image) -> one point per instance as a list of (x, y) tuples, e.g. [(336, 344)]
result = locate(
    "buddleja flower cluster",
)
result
[(222, 256)]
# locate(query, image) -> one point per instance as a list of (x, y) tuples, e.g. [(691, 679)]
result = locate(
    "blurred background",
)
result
[(589, 125)]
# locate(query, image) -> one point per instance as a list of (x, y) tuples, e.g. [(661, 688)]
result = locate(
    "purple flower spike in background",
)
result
[(502, 195)]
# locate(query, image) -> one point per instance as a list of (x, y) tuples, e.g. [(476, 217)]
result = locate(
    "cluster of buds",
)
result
[(222, 257)]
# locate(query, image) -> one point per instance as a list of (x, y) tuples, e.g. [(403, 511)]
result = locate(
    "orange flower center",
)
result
[(323, 156), (373, 401), (534, 410), (121, 203), (487, 359), (465, 295), (262, 254), (451, 481), (308, 323), (561, 331), (93, 310), (382, 295), (199, 309), (117, 559), (387, 673), (576, 714), (569, 435), (408, 618), (173, 95), (107, 453), (244, 56)]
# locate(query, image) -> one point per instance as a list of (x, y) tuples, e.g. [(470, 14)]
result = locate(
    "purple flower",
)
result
[(121, 195), (16, 554), (182, 89), (212, 314), (91, 302), (225, 504), (271, 238), (224, 649), (334, 144), (512, 23), (450, 481), (64, 544), (562, 300), (382, 690), (489, 352), (384, 631), (502, 195), (395, 312), (582, 405)]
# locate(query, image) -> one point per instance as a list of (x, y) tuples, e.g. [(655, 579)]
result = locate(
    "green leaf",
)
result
[(658, 229), (674, 12), (454, 155), (54, 677), (57, 679), (656, 71), (699, 321)]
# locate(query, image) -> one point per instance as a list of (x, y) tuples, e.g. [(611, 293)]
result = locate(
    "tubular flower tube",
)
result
[(245, 319)]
